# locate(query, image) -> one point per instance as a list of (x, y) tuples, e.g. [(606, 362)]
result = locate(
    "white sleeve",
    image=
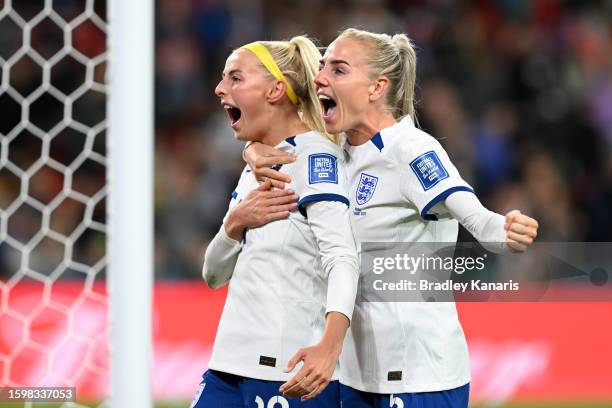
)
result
[(486, 226), (319, 173), (220, 259), (329, 221), (431, 176), (222, 252)]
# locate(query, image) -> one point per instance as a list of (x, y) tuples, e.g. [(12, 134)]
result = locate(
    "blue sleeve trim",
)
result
[(440, 197), (320, 197), (234, 194)]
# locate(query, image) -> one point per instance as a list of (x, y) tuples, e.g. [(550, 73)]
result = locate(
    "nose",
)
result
[(220, 89), (320, 79)]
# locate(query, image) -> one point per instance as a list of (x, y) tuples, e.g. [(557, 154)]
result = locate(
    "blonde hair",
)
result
[(298, 59), (395, 58)]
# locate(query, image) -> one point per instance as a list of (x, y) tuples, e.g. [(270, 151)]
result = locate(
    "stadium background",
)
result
[(518, 92)]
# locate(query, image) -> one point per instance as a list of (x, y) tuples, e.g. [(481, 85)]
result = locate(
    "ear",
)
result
[(379, 88), (276, 92)]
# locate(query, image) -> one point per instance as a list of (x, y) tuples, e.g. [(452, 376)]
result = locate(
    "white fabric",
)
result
[(485, 225), (276, 298), (330, 223), (424, 341), (220, 259)]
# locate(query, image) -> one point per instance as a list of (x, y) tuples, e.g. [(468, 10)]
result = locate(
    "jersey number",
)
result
[(396, 402), (272, 402)]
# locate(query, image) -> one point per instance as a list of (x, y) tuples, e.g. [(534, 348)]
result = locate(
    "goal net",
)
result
[(54, 305)]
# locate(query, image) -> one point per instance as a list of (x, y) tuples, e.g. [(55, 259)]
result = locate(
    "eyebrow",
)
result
[(233, 71), (334, 62)]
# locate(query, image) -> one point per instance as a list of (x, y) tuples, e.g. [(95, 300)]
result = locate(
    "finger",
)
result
[(527, 221), (295, 392), (297, 357), (515, 246), (265, 185), (282, 208), (274, 174), (277, 157), (277, 184), (523, 230), (316, 391), (519, 228), (511, 215), (292, 389), (277, 193), (291, 382), (273, 161), (520, 238), (310, 383), (275, 201), (281, 215)]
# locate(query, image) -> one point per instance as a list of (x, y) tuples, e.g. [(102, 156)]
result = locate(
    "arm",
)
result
[(261, 206), (220, 259), (496, 232), (330, 224)]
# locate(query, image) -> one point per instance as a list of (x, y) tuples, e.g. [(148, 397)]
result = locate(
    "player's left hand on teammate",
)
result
[(521, 231), (263, 161), (319, 364)]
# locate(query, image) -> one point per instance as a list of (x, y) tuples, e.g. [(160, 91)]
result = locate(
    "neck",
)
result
[(281, 129), (372, 123)]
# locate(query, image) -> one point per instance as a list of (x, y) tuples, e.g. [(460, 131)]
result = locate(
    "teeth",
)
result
[(324, 98)]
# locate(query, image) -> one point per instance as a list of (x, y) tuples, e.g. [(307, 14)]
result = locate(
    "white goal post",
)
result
[(130, 205), (76, 198)]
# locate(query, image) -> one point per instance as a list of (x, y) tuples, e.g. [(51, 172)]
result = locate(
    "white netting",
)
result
[(53, 303)]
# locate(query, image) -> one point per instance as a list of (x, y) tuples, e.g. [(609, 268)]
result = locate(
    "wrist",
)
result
[(332, 343), (246, 146), (233, 228)]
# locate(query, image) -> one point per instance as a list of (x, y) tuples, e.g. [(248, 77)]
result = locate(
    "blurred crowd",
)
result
[(519, 92)]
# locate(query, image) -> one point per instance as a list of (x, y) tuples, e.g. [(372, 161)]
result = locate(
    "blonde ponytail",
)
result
[(404, 91), (298, 59)]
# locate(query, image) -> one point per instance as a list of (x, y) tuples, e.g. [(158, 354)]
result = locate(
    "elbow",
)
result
[(215, 277), (209, 277)]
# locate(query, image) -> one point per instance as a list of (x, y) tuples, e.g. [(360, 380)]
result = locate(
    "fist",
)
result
[(521, 231)]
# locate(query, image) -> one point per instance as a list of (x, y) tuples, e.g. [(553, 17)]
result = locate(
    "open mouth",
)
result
[(328, 105), (233, 112)]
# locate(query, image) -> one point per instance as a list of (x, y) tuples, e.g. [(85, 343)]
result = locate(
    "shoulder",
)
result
[(320, 162), (314, 142), (411, 143)]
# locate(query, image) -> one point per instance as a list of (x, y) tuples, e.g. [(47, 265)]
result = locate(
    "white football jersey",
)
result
[(276, 299), (396, 181)]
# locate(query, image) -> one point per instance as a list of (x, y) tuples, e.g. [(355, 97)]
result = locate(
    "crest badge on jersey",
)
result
[(429, 169), (365, 188), (322, 168)]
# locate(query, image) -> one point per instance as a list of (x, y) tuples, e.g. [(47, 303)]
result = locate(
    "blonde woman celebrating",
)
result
[(403, 188), (292, 274)]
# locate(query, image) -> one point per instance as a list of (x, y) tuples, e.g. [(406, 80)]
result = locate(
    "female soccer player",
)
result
[(403, 188), (292, 281)]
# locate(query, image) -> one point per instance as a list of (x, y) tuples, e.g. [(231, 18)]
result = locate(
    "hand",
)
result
[(521, 230), (261, 206), (319, 360), (319, 364), (262, 158)]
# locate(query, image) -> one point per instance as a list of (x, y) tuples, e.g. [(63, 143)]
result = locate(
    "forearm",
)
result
[(486, 226), (336, 325), (331, 226), (220, 259)]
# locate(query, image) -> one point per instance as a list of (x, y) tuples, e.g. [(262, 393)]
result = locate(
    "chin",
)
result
[(331, 128)]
